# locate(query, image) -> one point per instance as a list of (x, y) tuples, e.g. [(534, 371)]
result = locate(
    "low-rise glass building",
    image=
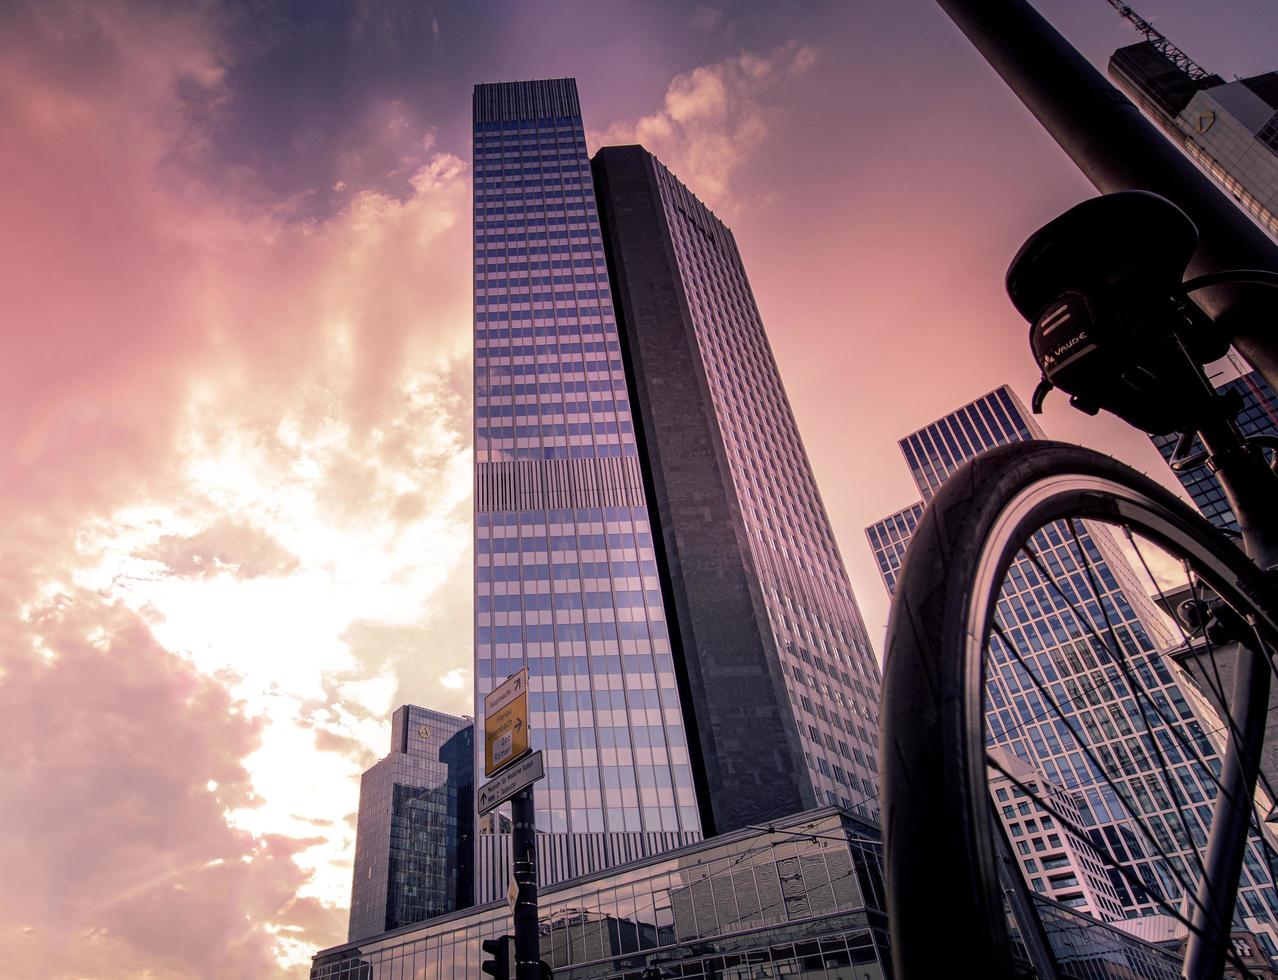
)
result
[(801, 898)]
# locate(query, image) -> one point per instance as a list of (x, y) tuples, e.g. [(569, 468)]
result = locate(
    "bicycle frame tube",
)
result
[(1246, 479)]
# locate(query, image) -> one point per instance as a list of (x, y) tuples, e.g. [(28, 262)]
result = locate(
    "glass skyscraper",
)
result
[(413, 834), (1101, 709), (696, 658), (566, 578), (936, 451)]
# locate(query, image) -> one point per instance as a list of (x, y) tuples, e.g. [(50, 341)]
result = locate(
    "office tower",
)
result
[(1258, 417), (1055, 861), (413, 833), (781, 682), (1230, 129), (936, 451), (1105, 714), (696, 659), (890, 537), (566, 578)]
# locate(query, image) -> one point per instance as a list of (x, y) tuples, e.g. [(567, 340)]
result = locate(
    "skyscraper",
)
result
[(696, 658), (1106, 714), (781, 680), (1258, 416), (1230, 129), (1054, 860), (413, 833), (566, 578)]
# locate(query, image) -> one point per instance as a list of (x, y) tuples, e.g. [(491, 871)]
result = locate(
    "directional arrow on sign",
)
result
[(509, 781)]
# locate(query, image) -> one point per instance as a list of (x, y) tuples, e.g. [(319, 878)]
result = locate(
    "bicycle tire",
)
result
[(943, 892)]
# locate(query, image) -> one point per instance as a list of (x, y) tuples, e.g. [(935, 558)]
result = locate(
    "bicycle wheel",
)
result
[(1031, 673)]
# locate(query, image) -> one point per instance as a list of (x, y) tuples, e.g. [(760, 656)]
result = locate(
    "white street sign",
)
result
[(510, 781)]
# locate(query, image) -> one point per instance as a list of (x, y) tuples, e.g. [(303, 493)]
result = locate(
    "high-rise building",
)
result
[(1258, 416), (566, 576), (1230, 129), (782, 684), (696, 659), (1054, 860), (1108, 715), (890, 537), (413, 834)]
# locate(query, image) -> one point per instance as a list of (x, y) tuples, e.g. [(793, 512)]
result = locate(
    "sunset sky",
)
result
[(235, 461)]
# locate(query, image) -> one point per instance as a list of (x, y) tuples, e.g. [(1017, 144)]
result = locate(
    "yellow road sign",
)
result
[(506, 723)]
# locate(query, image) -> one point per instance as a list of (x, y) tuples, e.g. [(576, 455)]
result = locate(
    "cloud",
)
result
[(713, 117), (235, 470), (117, 854), (224, 546), (454, 679)]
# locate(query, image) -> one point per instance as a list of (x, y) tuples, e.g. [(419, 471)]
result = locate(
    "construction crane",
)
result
[(1155, 37)]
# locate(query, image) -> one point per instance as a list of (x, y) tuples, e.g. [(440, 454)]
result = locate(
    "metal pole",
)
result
[(524, 849), (1117, 149), (1230, 823)]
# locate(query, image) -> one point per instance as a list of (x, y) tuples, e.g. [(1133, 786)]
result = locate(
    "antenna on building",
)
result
[(1164, 47)]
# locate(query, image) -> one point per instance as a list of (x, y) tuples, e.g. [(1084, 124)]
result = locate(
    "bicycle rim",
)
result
[(1070, 543)]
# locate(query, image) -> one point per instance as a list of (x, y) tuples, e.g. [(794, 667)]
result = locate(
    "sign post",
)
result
[(513, 768), (524, 851)]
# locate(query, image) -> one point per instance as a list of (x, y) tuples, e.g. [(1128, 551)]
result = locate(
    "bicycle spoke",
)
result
[(1090, 755), (1216, 684)]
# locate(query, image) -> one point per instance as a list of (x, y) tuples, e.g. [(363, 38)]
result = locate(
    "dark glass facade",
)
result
[(1101, 709), (782, 681), (414, 837), (1259, 417)]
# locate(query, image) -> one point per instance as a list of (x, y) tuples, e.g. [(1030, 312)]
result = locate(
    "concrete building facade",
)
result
[(1230, 129)]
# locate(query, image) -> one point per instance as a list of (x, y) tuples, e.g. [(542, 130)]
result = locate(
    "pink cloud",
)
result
[(713, 117), (229, 439), (241, 549), (119, 761)]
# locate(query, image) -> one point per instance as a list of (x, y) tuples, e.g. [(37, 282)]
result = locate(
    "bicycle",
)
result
[(1114, 326)]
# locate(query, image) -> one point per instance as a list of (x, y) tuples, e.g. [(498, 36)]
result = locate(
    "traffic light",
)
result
[(498, 963)]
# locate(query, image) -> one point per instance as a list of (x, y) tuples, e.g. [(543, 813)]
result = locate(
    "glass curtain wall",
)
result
[(565, 576)]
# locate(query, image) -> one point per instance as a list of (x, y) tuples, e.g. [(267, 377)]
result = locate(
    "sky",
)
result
[(235, 461)]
